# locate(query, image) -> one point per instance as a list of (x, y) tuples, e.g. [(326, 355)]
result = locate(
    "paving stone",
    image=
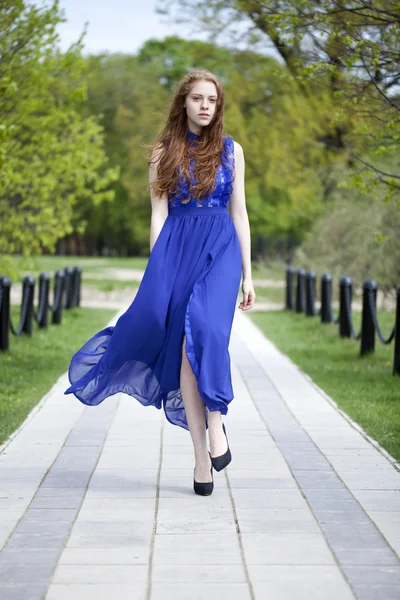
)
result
[(100, 592), (352, 538), (20, 572), (286, 548), (100, 574), (300, 582), (118, 555), (308, 463), (37, 527), (140, 490), (272, 498), (49, 514), (191, 524), (219, 502), (263, 482), (372, 479), (52, 502), (117, 505), (211, 591), (270, 459), (388, 523), (115, 514), (124, 478), (20, 473), (199, 548), (199, 574), (22, 592), (276, 520), (377, 575), (377, 592), (367, 556), (108, 540), (318, 479), (380, 500), (37, 540), (28, 556), (341, 519)]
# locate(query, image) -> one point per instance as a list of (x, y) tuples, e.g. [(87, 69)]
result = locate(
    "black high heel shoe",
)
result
[(206, 488), (220, 462)]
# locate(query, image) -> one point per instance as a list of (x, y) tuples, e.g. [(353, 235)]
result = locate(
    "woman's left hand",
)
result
[(249, 295)]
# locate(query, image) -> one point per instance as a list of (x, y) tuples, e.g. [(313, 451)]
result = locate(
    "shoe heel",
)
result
[(203, 488), (220, 462)]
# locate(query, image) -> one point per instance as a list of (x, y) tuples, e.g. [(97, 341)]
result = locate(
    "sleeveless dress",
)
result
[(190, 286)]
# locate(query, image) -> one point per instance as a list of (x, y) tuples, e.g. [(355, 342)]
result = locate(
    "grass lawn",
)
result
[(96, 264), (363, 387), (108, 285), (273, 294), (33, 364)]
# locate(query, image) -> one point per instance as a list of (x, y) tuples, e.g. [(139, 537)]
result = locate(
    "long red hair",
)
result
[(176, 149)]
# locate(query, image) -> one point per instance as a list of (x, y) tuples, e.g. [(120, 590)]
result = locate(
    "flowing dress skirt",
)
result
[(190, 287)]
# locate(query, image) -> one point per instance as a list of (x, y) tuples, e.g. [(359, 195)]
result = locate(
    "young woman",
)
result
[(170, 348)]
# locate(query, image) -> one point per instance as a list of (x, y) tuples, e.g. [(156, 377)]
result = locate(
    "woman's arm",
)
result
[(159, 206), (238, 212)]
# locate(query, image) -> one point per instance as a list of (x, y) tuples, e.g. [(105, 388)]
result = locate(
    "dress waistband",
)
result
[(197, 210)]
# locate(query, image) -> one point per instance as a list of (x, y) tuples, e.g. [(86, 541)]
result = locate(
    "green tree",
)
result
[(51, 157), (350, 49)]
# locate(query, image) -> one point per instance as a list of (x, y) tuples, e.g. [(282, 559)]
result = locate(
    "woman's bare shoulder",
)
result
[(237, 148)]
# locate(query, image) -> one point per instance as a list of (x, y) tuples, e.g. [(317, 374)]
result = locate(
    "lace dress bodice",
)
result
[(224, 180)]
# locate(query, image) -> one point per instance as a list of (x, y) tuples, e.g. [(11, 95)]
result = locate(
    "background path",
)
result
[(98, 501)]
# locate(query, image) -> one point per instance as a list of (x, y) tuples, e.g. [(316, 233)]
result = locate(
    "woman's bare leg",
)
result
[(218, 443), (196, 418)]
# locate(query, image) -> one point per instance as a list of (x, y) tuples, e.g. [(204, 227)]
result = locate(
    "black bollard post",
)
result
[(326, 298), (5, 288), (345, 287), (311, 280), (42, 317), (58, 296), (27, 309), (290, 271), (300, 292), (68, 272), (370, 288), (396, 360), (76, 286), (79, 284)]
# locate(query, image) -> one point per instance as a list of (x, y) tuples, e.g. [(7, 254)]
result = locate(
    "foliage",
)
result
[(51, 158), (356, 237), (349, 49)]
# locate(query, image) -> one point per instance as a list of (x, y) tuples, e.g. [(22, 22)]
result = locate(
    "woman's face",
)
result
[(202, 99)]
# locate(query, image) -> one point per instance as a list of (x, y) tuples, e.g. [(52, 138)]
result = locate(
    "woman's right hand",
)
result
[(249, 295)]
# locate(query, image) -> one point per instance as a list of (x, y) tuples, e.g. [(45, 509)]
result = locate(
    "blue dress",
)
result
[(190, 287)]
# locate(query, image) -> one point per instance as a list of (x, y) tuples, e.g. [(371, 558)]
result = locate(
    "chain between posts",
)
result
[(305, 303), (28, 314)]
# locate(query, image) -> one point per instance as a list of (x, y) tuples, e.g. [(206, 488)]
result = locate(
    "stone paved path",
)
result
[(98, 501)]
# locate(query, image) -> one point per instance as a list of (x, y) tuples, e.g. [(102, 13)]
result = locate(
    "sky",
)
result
[(116, 25)]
